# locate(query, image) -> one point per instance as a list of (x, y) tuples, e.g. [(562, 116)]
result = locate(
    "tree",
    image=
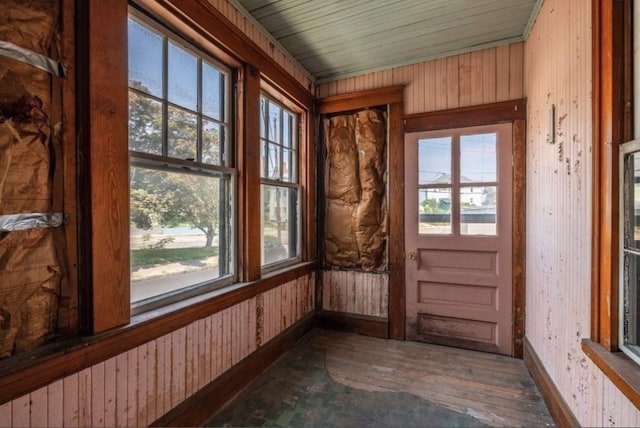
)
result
[(168, 197), (489, 196)]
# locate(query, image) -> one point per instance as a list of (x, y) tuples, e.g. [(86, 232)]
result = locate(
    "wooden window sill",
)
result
[(619, 368), (25, 373)]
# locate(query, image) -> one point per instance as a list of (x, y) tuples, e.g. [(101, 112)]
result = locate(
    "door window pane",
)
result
[(434, 211), (478, 210), (478, 160), (434, 161)]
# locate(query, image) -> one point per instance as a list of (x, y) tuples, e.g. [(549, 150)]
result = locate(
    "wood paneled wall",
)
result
[(481, 77), (137, 387), (355, 292), (254, 33), (558, 59)]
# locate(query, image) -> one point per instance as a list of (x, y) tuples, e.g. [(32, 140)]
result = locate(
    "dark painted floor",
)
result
[(297, 391)]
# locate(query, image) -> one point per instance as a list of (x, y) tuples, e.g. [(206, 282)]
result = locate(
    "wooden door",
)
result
[(458, 187)]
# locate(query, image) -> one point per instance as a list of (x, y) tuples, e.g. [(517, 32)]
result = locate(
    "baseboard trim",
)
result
[(351, 323), (201, 406), (560, 411)]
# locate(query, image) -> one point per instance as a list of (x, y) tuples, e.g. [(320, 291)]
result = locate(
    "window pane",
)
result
[(145, 124), (434, 211), (287, 129), (434, 161), (273, 162), (183, 77), (274, 122), (631, 321), (212, 141), (288, 165), (632, 201), (279, 223), (182, 128), (145, 59), (478, 158), (176, 221), (212, 92), (263, 118), (478, 210)]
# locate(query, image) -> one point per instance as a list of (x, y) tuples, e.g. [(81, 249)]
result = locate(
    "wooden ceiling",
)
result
[(333, 39)]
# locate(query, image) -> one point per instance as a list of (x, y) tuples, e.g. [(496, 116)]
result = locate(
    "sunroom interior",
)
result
[(337, 213)]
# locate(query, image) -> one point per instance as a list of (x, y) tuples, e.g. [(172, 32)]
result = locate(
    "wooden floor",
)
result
[(480, 388), (495, 389)]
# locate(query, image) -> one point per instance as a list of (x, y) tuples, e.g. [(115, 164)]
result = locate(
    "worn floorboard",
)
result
[(340, 379)]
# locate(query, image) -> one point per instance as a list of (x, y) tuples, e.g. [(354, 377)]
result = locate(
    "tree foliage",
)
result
[(171, 197)]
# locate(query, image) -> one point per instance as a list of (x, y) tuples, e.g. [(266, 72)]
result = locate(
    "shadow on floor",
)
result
[(297, 391)]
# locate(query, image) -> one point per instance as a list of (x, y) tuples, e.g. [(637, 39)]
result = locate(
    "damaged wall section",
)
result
[(355, 188), (30, 266)]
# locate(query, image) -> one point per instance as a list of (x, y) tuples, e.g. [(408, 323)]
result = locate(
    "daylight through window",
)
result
[(181, 180), (280, 188)]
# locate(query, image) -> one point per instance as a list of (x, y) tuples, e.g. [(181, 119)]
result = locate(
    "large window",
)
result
[(181, 180), (629, 340), (280, 188)]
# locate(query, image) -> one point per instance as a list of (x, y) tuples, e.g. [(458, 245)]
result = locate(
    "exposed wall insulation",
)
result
[(139, 386), (360, 293), (355, 183), (558, 57), (30, 271), (480, 77)]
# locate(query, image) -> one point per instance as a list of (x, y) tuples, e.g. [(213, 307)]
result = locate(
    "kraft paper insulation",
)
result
[(355, 185), (30, 272)]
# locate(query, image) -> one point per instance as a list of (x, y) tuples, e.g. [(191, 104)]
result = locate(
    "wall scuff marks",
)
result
[(355, 210), (30, 270)]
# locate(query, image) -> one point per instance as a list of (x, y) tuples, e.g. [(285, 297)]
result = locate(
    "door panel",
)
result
[(458, 186)]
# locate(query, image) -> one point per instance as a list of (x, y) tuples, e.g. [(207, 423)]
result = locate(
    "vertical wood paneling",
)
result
[(557, 63), (20, 412), (84, 397), (39, 408), (143, 383), (69, 402), (122, 389), (481, 77), (353, 292), (110, 392), (97, 395), (139, 386), (5, 415), (54, 405)]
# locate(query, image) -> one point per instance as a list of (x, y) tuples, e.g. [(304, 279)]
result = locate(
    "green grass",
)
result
[(149, 257)]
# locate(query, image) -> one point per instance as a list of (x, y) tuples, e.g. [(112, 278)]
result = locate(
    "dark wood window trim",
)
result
[(101, 121), (512, 112), (612, 126), (392, 96)]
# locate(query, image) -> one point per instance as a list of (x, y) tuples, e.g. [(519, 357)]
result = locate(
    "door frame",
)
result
[(513, 112)]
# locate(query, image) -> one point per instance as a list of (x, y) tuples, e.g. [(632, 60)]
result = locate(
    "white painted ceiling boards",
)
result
[(339, 38)]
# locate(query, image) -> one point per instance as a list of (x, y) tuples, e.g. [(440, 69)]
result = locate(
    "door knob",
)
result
[(412, 255)]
